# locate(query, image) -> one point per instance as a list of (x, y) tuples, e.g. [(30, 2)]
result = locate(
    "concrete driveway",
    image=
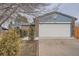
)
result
[(58, 47)]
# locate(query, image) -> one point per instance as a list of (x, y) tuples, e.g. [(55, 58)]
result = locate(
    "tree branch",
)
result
[(6, 11), (9, 15)]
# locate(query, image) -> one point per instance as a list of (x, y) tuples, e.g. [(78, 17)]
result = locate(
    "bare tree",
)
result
[(8, 10), (7, 13)]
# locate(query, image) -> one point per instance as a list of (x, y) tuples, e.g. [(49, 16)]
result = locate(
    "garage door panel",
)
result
[(54, 30)]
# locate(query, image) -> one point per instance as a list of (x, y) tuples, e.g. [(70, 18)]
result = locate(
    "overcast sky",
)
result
[(68, 8), (71, 9)]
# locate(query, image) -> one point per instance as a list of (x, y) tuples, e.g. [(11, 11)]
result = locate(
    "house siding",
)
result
[(60, 18)]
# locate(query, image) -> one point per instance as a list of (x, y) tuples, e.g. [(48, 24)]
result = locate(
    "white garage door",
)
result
[(54, 30)]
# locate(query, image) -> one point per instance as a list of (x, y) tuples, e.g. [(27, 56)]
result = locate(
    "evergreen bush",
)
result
[(22, 33), (10, 43)]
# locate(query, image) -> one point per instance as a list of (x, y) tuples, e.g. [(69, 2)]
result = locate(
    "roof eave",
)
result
[(58, 13)]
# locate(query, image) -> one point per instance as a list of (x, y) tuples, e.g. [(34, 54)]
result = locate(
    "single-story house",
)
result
[(55, 24), (21, 21)]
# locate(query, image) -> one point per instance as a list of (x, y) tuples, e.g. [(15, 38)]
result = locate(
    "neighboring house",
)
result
[(25, 26), (55, 24), (21, 21)]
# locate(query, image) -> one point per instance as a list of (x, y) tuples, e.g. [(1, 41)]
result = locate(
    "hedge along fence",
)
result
[(10, 43)]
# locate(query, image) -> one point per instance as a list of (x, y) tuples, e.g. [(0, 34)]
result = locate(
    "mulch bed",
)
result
[(29, 48)]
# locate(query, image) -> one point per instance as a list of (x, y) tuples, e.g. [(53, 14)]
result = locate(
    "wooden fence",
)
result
[(77, 32)]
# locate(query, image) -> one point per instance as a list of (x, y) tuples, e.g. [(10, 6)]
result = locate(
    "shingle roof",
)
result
[(55, 17)]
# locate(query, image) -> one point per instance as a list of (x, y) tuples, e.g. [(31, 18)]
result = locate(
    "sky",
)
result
[(71, 9)]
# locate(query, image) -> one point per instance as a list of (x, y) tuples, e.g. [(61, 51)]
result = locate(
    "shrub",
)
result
[(22, 33), (31, 33), (10, 43)]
